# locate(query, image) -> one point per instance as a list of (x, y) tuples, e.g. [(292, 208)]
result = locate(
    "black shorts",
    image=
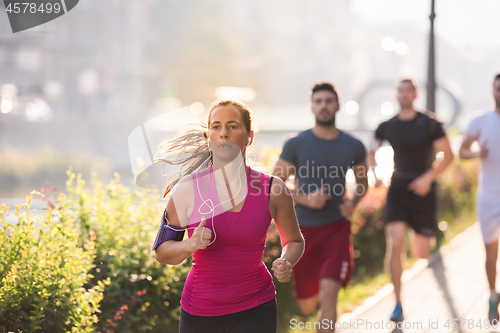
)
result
[(260, 319), (404, 205)]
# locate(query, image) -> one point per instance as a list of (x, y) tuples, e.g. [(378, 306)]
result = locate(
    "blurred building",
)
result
[(85, 80)]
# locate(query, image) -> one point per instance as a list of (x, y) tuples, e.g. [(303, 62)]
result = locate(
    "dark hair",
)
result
[(410, 81), (325, 86), (496, 78), (189, 148)]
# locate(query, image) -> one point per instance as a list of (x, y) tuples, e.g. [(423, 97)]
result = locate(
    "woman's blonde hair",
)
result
[(189, 148)]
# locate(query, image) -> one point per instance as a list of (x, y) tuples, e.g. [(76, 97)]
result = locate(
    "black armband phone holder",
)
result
[(167, 232)]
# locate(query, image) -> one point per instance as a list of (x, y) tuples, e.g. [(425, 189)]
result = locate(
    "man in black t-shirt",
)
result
[(411, 199)]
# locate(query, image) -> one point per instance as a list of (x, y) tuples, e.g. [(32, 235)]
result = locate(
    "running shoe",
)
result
[(397, 314), (493, 310)]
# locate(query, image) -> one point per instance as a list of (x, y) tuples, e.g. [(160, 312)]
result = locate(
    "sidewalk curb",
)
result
[(418, 267)]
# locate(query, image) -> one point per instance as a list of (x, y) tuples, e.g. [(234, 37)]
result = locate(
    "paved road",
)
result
[(450, 285)]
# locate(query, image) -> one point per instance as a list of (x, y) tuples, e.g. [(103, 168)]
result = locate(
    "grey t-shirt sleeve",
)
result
[(360, 153), (289, 152)]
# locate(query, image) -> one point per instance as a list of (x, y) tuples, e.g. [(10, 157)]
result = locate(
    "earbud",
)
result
[(208, 143), (249, 141)]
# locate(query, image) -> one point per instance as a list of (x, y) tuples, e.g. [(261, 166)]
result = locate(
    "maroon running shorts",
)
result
[(328, 254)]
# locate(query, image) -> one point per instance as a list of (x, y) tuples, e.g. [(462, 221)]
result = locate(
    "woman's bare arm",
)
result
[(292, 242)]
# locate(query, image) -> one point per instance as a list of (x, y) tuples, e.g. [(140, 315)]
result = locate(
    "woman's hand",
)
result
[(282, 270), (200, 238)]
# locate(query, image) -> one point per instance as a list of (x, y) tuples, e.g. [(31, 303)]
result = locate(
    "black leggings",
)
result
[(261, 319)]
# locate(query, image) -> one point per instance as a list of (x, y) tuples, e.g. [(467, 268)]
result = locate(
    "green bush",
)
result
[(43, 270), (87, 266), (368, 234), (143, 295), (457, 189)]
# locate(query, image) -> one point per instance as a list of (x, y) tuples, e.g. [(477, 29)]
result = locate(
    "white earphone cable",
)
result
[(211, 209)]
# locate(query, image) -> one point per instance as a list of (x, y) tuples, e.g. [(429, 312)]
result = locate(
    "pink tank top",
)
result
[(229, 275)]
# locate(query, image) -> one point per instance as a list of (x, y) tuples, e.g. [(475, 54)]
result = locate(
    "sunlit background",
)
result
[(72, 90)]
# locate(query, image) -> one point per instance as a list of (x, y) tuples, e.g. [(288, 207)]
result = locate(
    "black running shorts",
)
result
[(260, 319), (404, 205)]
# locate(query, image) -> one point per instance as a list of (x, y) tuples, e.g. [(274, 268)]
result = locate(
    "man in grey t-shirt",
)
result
[(319, 159)]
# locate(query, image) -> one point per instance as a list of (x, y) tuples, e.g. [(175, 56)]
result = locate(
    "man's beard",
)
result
[(325, 123), (497, 102)]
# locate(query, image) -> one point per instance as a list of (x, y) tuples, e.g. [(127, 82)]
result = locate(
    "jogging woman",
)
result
[(227, 208)]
